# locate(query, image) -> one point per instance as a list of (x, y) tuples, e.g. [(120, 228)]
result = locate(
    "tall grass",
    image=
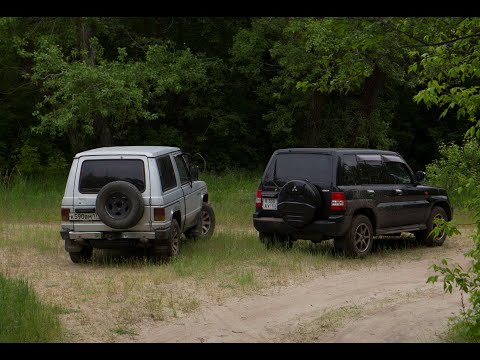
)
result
[(22, 317), (32, 200), (232, 195)]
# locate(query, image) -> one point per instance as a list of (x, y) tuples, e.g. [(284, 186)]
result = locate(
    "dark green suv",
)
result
[(350, 195)]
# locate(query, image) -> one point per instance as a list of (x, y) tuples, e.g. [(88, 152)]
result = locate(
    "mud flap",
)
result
[(197, 230), (72, 246)]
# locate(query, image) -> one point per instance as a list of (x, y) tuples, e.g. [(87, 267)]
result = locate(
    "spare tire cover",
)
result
[(119, 204), (298, 202)]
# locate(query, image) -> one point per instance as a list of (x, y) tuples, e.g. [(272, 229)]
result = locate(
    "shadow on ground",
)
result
[(380, 244)]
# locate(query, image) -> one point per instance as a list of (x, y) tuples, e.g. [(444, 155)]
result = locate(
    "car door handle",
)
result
[(398, 191), (370, 192)]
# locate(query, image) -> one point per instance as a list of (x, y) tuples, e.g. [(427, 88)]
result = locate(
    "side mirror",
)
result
[(419, 176), (193, 173)]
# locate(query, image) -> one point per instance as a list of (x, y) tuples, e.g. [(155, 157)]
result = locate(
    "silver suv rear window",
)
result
[(97, 173)]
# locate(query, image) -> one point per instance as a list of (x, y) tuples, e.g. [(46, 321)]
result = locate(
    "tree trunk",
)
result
[(103, 135), (315, 122), (77, 139), (368, 100), (373, 88)]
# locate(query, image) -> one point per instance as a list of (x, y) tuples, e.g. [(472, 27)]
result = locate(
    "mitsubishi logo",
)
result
[(294, 189)]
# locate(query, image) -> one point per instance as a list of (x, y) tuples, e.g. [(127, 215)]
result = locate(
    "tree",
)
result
[(448, 65)]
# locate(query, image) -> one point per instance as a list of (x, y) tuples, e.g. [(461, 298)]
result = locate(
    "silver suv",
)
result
[(133, 196)]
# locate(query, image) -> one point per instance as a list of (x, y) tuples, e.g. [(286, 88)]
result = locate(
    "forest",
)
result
[(231, 90)]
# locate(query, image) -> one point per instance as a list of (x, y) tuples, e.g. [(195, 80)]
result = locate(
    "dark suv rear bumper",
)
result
[(321, 229)]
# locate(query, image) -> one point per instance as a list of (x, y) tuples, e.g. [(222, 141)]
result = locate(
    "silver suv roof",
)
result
[(149, 151)]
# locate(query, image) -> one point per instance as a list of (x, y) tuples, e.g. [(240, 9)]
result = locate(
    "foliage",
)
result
[(448, 69), (282, 56), (455, 169), (467, 325), (230, 89)]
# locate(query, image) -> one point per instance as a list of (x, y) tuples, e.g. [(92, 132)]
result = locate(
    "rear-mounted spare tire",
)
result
[(119, 204), (298, 202)]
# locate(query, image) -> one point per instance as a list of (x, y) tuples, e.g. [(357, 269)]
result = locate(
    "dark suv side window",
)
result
[(167, 174), (182, 169), (97, 173), (397, 173), (347, 172), (370, 169)]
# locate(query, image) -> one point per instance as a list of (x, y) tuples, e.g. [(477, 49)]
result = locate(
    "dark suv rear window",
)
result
[(316, 168), (97, 173)]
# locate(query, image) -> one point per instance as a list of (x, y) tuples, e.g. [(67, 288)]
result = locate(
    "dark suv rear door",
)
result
[(315, 167), (412, 201), (372, 191)]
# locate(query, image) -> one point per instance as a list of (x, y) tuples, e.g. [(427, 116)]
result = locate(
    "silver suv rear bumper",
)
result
[(74, 240), (77, 235)]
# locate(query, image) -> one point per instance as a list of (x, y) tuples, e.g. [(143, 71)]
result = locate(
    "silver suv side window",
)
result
[(167, 175), (182, 169)]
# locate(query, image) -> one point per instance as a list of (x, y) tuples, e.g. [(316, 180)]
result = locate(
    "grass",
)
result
[(24, 319), (320, 328), (123, 331), (456, 333), (233, 197), (117, 292), (32, 201), (312, 331)]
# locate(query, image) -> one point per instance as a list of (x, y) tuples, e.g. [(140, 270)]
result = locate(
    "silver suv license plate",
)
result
[(83, 217)]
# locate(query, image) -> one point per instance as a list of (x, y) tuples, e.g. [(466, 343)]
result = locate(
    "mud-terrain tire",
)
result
[(119, 204), (425, 237), (82, 256), (208, 221), (358, 240), (271, 240), (166, 249)]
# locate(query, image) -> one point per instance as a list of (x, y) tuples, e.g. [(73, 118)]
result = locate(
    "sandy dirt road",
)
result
[(382, 303)]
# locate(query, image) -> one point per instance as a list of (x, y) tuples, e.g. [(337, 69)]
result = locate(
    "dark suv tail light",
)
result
[(258, 200), (338, 201), (65, 213)]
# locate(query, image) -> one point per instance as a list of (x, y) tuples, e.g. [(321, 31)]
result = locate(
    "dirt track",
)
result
[(385, 303)]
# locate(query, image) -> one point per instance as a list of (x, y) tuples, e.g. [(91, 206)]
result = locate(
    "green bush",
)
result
[(458, 170), (457, 167)]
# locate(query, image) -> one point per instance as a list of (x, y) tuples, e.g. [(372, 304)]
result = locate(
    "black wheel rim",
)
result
[(206, 222), (442, 233), (362, 237), (118, 205)]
